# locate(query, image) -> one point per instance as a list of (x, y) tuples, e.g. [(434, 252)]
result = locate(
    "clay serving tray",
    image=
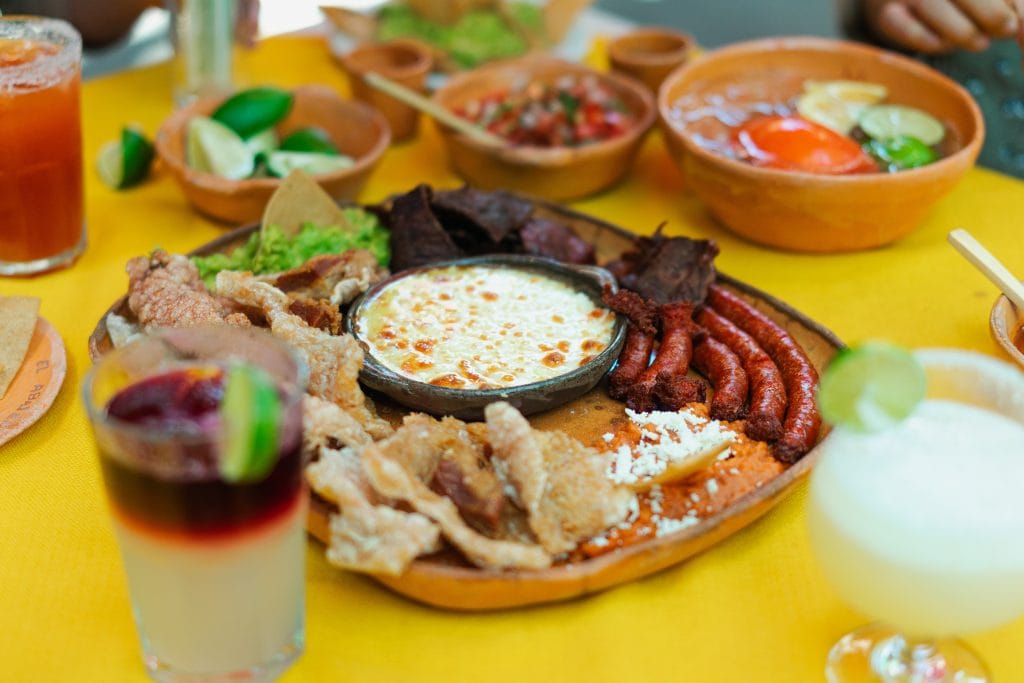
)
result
[(444, 580)]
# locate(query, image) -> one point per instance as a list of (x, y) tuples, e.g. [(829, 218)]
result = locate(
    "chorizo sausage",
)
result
[(723, 368), (767, 392), (803, 421), (636, 352)]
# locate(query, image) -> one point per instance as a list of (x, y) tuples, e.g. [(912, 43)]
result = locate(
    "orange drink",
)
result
[(41, 215)]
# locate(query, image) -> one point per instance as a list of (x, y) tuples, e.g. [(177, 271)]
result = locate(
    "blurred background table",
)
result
[(754, 608)]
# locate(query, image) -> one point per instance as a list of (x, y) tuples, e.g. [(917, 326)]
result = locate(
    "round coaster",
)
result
[(37, 383)]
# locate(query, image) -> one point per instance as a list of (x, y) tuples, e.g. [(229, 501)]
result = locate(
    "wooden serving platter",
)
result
[(444, 581)]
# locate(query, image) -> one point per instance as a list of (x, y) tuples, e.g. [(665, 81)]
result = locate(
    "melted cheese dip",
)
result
[(483, 327)]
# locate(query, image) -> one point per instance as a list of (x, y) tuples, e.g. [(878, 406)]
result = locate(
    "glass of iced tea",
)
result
[(199, 432), (41, 216)]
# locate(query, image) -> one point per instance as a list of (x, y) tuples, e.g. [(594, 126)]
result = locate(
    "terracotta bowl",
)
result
[(469, 404), (407, 62), (1007, 326), (551, 173), (356, 129), (811, 212), (650, 54)]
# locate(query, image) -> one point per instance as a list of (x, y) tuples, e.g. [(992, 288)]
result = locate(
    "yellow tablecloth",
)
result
[(754, 608)]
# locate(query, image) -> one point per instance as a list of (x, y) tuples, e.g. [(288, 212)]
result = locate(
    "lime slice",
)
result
[(125, 162), (252, 111), (262, 142), (250, 411), (212, 147), (838, 104), (888, 121), (280, 164), (310, 139), (871, 387), (850, 91)]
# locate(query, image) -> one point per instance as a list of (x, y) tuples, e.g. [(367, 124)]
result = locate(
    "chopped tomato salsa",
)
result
[(570, 113)]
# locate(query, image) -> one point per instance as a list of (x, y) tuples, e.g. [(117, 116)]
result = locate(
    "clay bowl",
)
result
[(559, 173), (1007, 326), (407, 62), (649, 54), (469, 404), (356, 129), (810, 212)]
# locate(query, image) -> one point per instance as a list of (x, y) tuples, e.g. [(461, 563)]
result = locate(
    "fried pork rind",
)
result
[(560, 483), (121, 330), (337, 278), (334, 361), (366, 537), (164, 290), (326, 425), (389, 478)]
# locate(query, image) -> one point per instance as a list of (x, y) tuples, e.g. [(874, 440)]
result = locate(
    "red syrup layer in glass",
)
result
[(196, 503)]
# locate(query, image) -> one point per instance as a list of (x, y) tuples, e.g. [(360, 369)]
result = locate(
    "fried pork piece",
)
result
[(560, 483), (389, 478), (337, 278), (450, 456), (325, 424), (164, 290), (365, 537), (318, 313), (334, 361)]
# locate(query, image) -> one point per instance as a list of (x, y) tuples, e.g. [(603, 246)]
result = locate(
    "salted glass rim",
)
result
[(45, 70)]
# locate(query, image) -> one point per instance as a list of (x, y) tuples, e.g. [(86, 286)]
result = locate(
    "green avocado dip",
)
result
[(271, 251), (479, 36)]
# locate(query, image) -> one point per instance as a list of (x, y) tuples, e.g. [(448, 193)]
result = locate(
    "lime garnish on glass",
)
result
[(250, 413), (251, 111), (870, 387), (280, 164), (125, 162), (212, 147)]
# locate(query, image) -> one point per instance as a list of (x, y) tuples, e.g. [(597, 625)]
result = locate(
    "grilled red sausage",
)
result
[(721, 366), (636, 352), (767, 392), (676, 348), (803, 421)]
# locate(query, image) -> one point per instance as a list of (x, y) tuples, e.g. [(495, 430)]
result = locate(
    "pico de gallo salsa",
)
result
[(570, 113)]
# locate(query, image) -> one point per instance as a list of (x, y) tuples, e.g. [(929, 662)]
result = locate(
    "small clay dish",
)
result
[(805, 211), (1007, 326), (555, 173), (469, 404), (649, 54), (356, 129), (407, 62)]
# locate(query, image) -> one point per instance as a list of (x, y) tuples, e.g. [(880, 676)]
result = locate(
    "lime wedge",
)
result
[(310, 139), (838, 104), (125, 162), (888, 121), (280, 164), (212, 147), (252, 111), (250, 412), (870, 387), (262, 142)]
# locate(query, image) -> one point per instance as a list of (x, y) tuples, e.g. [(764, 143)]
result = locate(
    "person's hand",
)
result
[(936, 26)]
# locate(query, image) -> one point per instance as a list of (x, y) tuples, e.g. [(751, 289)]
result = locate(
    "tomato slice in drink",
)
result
[(796, 144)]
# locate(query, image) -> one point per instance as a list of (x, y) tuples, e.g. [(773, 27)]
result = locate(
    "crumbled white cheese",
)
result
[(665, 526), (695, 497), (666, 438), (726, 454), (712, 486)]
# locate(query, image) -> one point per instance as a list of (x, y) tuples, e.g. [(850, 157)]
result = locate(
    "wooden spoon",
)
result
[(433, 109), (989, 266)]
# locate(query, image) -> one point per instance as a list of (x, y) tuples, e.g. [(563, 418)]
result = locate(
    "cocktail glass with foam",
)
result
[(919, 525)]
